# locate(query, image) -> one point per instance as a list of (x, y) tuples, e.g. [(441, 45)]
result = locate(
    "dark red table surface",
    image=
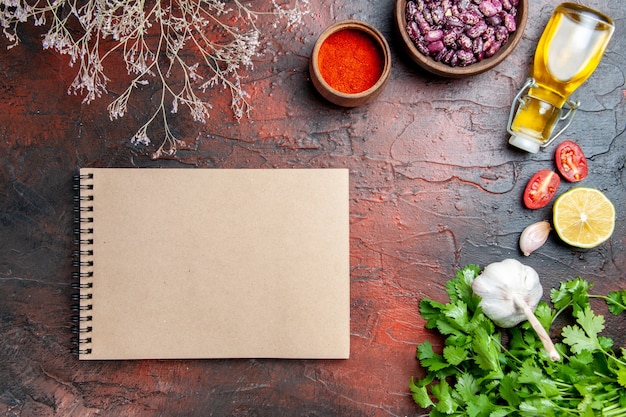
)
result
[(434, 186)]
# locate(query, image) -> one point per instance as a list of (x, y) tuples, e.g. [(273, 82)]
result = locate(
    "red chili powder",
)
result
[(350, 61)]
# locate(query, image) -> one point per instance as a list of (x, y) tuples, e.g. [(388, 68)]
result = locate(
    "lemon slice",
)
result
[(583, 217)]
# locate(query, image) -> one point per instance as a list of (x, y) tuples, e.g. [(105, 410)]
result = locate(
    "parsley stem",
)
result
[(609, 300), (614, 410)]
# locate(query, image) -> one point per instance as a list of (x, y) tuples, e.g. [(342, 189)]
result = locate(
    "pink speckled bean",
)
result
[(433, 35), (487, 8), (509, 23)]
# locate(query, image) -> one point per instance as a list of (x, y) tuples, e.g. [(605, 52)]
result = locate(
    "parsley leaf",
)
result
[(431, 311), (459, 289), (573, 293), (621, 375), (429, 359), (584, 337), (443, 393), (616, 301), (508, 389), (479, 406), (420, 393), (531, 374), (538, 407), (454, 355), (487, 351), (458, 315), (467, 386)]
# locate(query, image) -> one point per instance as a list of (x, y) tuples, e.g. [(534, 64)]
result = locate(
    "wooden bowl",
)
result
[(350, 99), (445, 70)]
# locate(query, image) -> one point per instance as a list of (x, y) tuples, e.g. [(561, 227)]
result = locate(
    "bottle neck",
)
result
[(534, 121), (547, 95)]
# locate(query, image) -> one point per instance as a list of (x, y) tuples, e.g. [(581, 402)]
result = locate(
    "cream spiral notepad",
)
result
[(212, 263)]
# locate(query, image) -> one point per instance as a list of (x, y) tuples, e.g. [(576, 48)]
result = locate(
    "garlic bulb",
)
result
[(534, 236), (510, 292)]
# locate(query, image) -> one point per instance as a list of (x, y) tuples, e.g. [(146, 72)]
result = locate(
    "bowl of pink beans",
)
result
[(459, 38)]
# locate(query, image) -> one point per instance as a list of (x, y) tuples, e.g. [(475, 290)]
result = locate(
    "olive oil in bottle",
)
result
[(568, 52)]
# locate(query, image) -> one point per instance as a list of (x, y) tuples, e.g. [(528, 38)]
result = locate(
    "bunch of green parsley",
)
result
[(487, 371)]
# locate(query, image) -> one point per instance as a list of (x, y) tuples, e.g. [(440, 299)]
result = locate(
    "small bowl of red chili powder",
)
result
[(350, 63)]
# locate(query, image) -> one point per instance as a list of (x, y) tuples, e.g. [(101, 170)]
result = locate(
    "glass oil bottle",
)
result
[(568, 52)]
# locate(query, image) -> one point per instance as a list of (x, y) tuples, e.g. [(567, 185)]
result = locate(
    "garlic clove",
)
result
[(534, 236)]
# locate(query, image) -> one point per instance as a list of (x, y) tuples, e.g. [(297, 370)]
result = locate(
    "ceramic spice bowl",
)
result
[(350, 63), (459, 38)]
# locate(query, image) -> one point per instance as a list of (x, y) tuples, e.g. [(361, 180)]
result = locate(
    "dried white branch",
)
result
[(187, 47)]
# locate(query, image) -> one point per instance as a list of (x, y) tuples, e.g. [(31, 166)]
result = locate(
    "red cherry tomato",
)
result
[(571, 161), (541, 188)]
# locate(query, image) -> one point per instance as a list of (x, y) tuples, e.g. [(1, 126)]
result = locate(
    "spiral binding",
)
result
[(83, 262)]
